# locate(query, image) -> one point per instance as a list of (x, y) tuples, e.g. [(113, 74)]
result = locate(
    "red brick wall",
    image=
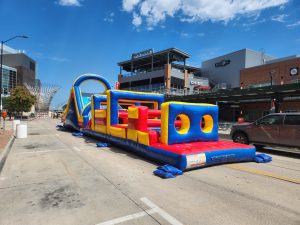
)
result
[(261, 74)]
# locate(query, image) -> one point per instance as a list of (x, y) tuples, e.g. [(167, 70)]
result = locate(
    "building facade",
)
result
[(25, 66), (274, 72), (164, 72), (9, 79), (224, 71)]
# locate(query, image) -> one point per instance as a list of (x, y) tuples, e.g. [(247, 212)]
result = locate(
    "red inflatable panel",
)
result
[(198, 147)]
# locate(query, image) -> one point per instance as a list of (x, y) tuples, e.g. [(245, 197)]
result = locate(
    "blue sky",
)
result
[(71, 37)]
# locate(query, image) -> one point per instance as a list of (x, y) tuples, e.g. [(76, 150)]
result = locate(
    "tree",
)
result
[(20, 100), (7, 106)]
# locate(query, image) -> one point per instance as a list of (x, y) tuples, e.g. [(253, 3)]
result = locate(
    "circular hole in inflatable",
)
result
[(206, 123), (182, 123)]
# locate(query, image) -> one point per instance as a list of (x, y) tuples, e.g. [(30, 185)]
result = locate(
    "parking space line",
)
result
[(77, 149), (127, 218), (262, 173), (153, 209), (161, 212)]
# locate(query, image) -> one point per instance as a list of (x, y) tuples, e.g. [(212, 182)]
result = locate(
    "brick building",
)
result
[(274, 72)]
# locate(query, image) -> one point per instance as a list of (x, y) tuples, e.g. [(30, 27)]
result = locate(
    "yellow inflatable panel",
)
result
[(143, 138), (133, 113), (100, 128), (132, 135), (164, 123), (100, 113), (118, 132)]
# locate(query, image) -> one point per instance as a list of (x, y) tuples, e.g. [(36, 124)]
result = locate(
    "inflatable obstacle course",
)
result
[(184, 135)]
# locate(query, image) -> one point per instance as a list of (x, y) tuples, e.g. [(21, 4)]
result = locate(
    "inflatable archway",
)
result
[(77, 113)]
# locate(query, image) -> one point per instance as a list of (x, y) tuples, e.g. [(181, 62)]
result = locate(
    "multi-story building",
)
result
[(25, 66), (273, 72), (225, 70), (257, 84), (165, 71), (9, 79)]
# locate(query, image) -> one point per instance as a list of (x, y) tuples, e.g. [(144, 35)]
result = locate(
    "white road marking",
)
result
[(153, 209), (57, 135), (31, 152), (77, 149), (161, 212), (129, 217)]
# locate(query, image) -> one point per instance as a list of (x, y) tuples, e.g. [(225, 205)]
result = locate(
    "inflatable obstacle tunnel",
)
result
[(77, 114), (181, 134)]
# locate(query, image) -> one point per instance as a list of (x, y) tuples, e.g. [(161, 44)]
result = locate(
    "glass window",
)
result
[(271, 120), (292, 120), (32, 66)]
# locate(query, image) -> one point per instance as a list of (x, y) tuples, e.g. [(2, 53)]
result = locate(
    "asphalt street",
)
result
[(55, 178)]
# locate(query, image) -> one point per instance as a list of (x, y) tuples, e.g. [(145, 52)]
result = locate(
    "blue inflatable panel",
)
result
[(170, 169), (262, 158), (163, 174), (102, 144), (77, 134)]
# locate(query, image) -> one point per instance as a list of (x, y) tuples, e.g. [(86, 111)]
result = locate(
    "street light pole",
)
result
[(271, 73), (1, 64)]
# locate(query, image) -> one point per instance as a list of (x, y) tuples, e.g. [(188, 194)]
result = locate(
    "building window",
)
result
[(124, 85), (32, 66), (9, 81), (157, 80)]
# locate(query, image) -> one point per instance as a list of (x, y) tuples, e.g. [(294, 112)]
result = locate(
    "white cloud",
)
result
[(69, 2), (156, 11), (191, 35), (40, 55), (186, 35), (252, 23), (109, 18), (294, 24), (282, 7), (137, 20), (128, 5), (279, 18), (58, 59)]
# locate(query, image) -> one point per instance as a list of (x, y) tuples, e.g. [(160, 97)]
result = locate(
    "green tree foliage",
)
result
[(6, 104), (20, 100)]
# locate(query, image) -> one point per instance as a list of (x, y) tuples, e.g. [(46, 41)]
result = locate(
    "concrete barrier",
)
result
[(15, 123), (21, 131)]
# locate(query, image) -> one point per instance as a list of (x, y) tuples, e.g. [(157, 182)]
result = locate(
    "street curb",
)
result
[(5, 152)]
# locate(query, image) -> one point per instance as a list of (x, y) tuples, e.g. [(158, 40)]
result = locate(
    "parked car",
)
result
[(273, 129)]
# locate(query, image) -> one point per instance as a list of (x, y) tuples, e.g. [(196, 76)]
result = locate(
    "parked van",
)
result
[(273, 129)]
